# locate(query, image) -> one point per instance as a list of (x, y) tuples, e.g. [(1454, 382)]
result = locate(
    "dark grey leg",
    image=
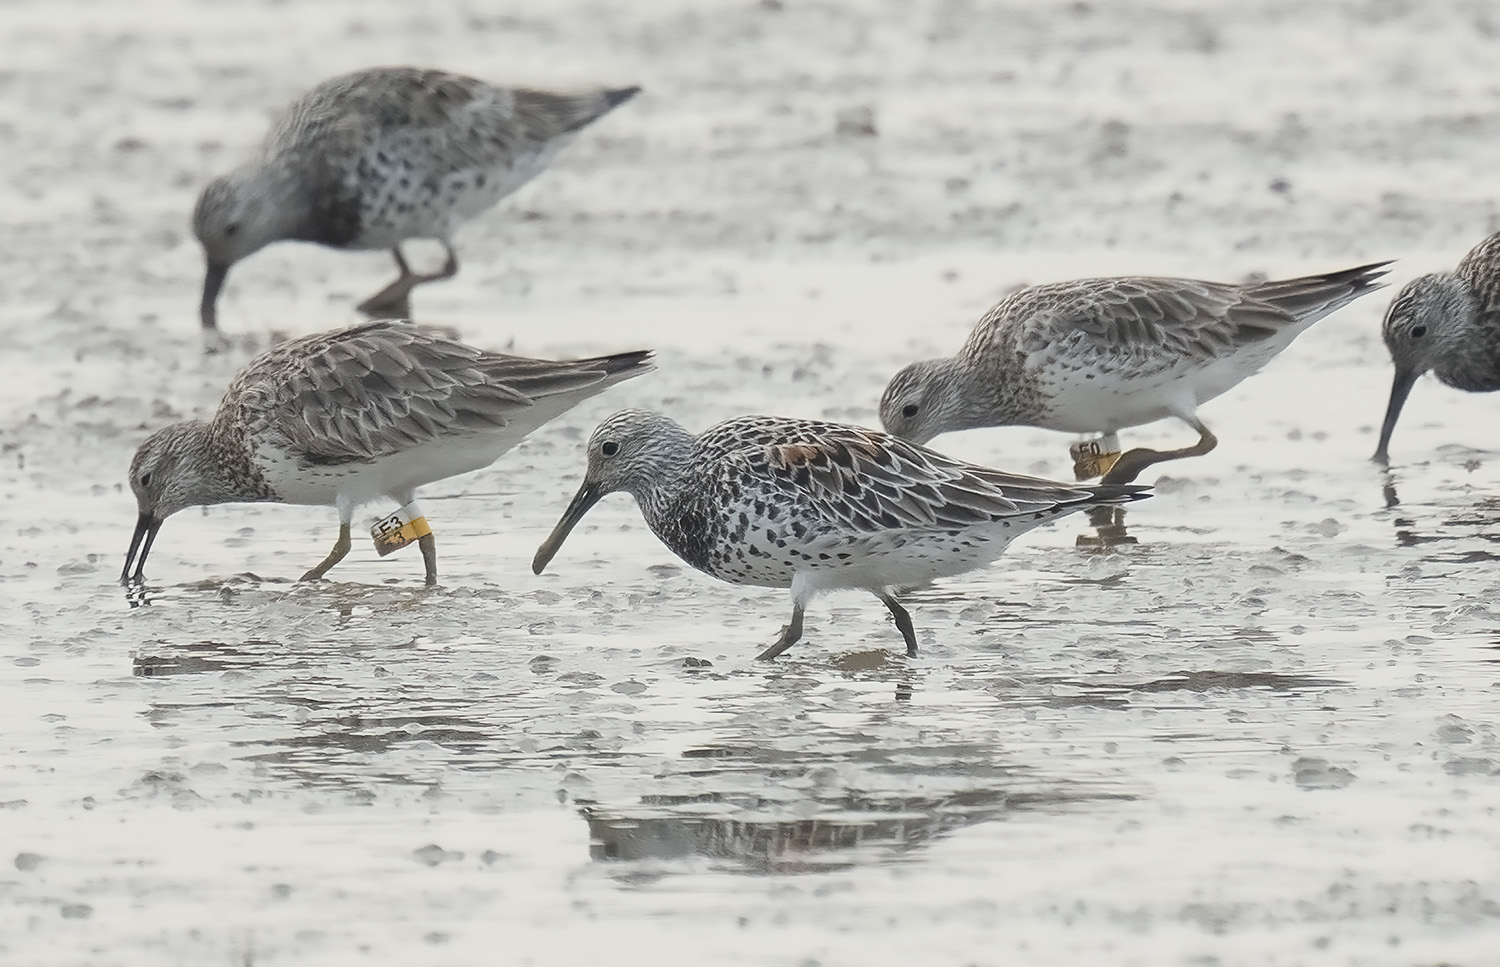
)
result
[(428, 544), (449, 269), (1132, 462), (903, 622), (340, 548), (394, 301), (789, 636)]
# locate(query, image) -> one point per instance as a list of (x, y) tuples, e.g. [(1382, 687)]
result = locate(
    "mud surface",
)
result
[(1264, 734)]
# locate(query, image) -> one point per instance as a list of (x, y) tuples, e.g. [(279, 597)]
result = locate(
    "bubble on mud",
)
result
[(434, 855), (169, 786), (976, 613), (1471, 766), (1453, 731), (1314, 773), (575, 785), (1328, 527), (855, 122)]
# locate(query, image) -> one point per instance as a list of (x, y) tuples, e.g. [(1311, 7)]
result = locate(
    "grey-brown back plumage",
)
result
[(379, 388), (469, 121), (389, 144), (1165, 317)]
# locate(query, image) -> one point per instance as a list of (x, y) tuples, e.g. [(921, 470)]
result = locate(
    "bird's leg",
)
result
[(1132, 462), (789, 635), (394, 301), (340, 548), (450, 266), (903, 622), (428, 544), (1094, 457)]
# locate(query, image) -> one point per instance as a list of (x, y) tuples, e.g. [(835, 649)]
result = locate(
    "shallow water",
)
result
[(1264, 734)]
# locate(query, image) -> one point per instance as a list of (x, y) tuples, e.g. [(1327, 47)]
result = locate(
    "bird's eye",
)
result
[(909, 410), (1417, 332), (609, 448), (146, 479), (231, 229)]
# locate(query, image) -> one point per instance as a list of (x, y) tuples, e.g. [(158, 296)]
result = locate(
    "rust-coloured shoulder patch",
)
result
[(842, 451), (798, 454)]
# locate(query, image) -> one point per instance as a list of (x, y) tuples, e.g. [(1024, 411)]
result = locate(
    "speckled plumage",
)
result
[(808, 505), (369, 159), (1449, 323), (1098, 355), (346, 417)]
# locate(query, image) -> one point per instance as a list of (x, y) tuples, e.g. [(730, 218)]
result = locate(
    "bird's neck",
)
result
[(223, 468), (671, 496), (280, 208), (1462, 357), (979, 396), (683, 519), (663, 496)]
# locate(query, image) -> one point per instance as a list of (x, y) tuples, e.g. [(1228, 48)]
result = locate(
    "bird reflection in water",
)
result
[(854, 825), (1447, 527), (1109, 529)]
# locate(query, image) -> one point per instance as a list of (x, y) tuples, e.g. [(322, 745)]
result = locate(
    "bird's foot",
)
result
[(392, 302)]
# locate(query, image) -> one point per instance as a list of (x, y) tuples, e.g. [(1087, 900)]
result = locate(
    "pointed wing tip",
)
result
[(1370, 276), (620, 95), (1121, 493), (635, 362)]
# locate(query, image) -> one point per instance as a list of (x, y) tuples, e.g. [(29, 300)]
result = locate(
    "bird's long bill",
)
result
[(1400, 389), (213, 281), (588, 495), (145, 532)]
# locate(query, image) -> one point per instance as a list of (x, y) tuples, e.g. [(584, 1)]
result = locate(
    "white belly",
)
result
[(896, 559), (1099, 400), (395, 477)]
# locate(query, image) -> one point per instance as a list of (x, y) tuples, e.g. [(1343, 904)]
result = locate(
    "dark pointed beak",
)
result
[(1400, 389), (145, 532), (213, 281), (588, 495)]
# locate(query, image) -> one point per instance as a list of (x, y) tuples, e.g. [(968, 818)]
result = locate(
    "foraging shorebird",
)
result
[(368, 160), (811, 506), (1099, 355), (347, 417), (1449, 323)]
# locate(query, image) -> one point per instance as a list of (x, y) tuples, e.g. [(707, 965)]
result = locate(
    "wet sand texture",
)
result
[(1264, 734)]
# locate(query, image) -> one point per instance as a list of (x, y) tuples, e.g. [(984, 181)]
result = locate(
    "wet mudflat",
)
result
[(1265, 733)]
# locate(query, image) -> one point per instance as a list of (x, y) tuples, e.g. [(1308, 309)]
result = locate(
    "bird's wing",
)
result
[(1481, 270), (365, 105), (380, 388), (1164, 319), (870, 481), (456, 123)]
